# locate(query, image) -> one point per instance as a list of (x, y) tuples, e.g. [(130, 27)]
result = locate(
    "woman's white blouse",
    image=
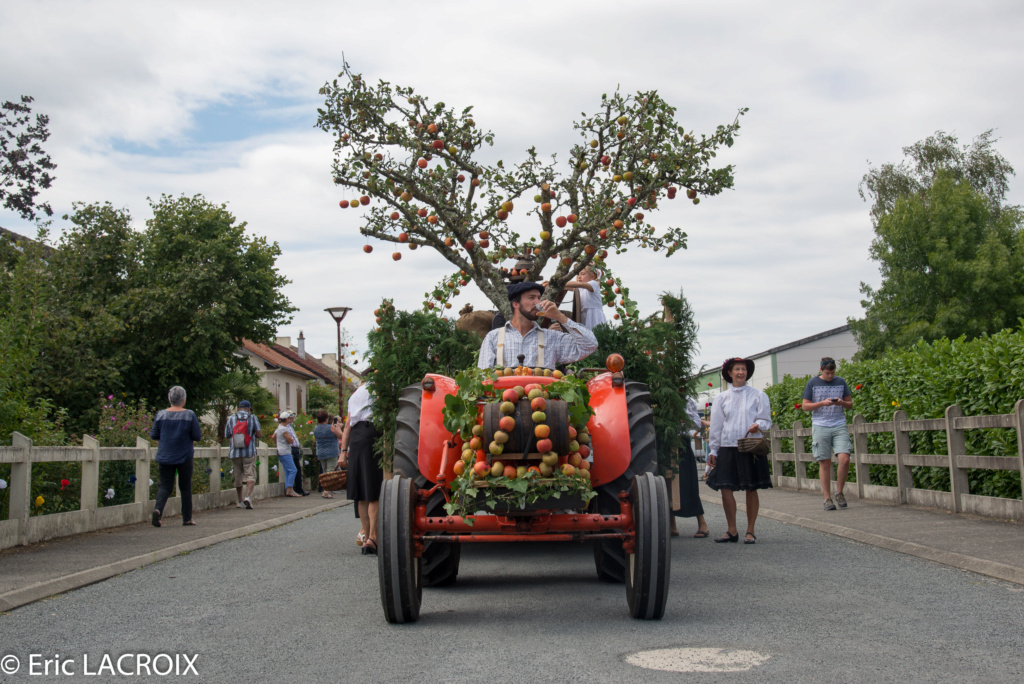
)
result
[(734, 411)]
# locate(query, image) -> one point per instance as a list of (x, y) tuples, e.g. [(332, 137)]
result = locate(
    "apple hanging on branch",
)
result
[(414, 161)]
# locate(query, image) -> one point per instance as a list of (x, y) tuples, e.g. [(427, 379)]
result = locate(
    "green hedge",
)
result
[(984, 376)]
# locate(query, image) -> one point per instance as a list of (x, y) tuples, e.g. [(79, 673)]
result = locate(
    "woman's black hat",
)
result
[(727, 367)]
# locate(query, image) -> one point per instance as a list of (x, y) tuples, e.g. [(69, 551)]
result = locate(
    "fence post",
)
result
[(860, 449), (798, 452), (956, 445), (91, 479), (214, 466), (1018, 413), (264, 465), (142, 473), (21, 486), (901, 439), (776, 443)]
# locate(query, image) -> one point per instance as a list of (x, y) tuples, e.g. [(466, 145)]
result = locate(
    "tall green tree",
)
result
[(950, 251), (24, 164), (203, 285), (131, 313)]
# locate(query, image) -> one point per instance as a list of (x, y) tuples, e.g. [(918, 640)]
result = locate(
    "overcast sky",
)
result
[(220, 98)]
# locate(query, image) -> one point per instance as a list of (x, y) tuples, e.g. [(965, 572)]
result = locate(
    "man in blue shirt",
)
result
[(827, 397)]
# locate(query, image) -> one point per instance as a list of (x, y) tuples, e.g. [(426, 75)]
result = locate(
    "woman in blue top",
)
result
[(175, 429)]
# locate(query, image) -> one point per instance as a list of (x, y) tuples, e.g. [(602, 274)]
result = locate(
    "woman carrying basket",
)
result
[(740, 413)]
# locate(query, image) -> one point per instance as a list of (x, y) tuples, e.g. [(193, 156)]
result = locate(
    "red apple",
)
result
[(367, 248)]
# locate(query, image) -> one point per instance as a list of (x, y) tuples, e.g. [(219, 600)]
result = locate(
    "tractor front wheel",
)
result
[(398, 568), (648, 567), (609, 558)]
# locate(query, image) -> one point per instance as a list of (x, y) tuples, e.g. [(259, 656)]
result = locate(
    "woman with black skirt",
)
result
[(739, 412), (689, 494), (365, 476)]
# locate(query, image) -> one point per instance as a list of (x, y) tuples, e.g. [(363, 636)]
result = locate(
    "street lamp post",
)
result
[(338, 314)]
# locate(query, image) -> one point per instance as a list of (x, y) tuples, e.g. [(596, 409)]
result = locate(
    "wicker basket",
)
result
[(334, 480), (758, 446)]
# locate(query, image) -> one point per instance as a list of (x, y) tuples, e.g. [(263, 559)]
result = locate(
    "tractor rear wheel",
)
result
[(650, 563), (398, 568), (440, 560), (609, 557)]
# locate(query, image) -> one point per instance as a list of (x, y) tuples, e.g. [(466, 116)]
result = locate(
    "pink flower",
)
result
[(110, 396)]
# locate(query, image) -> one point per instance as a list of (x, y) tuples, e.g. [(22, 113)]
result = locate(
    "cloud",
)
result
[(220, 99)]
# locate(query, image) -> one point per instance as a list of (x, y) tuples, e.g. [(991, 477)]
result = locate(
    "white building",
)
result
[(799, 358)]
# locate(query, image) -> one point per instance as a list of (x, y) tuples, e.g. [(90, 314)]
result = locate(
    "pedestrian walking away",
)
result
[(827, 397), (242, 431), (176, 429)]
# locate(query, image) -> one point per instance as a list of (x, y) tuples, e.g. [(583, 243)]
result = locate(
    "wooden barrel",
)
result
[(521, 438)]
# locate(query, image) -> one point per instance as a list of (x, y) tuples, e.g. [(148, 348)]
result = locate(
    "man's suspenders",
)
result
[(499, 354)]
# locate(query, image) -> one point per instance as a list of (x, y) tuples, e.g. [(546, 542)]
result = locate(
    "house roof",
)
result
[(275, 359), (314, 365)]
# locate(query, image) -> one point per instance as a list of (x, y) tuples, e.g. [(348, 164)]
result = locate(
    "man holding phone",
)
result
[(827, 397)]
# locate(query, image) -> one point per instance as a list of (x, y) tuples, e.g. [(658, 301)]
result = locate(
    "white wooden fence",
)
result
[(955, 424), (22, 527)]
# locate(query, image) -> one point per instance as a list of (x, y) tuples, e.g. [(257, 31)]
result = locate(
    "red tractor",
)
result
[(627, 521)]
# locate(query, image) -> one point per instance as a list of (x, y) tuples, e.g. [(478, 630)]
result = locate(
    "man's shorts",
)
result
[(245, 470), (827, 440)]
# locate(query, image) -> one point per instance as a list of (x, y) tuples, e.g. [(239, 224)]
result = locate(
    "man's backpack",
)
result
[(240, 435)]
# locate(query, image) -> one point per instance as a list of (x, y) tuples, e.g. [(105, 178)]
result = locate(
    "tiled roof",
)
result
[(314, 365), (274, 358)]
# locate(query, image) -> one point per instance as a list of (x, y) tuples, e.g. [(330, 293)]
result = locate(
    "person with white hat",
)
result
[(285, 440)]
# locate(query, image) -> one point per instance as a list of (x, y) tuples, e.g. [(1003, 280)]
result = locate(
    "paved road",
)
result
[(297, 603)]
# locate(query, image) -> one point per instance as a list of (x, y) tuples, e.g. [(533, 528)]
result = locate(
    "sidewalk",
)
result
[(981, 545), (31, 573)]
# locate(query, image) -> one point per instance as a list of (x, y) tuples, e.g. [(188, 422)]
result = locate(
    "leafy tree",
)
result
[(24, 165), (115, 311), (405, 346), (977, 164), (418, 163), (951, 254), (203, 286), (322, 398), (25, 303)]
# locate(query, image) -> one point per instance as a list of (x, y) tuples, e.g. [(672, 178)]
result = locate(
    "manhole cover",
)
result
[(698, 659)]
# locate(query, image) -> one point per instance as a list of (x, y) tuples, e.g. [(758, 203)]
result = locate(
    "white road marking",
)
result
[(698, 660)]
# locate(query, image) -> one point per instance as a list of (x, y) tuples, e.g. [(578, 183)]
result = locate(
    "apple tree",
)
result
[(415, 170)]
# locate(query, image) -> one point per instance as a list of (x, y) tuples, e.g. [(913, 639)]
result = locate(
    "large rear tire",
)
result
[(609, 557), (650, 564), (440, 560), (398, 569)]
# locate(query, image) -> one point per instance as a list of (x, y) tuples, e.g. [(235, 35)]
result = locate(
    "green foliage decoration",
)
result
[(405, 346), (659, 351)]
